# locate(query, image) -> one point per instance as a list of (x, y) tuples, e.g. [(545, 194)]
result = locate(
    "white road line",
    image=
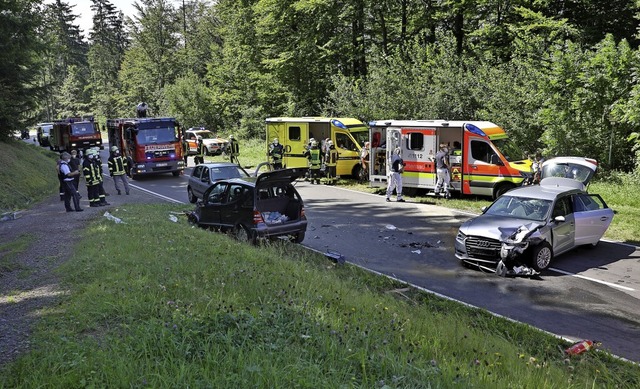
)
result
[(156, 194), (593, 279)]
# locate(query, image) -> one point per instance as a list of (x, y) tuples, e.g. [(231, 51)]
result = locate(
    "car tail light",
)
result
[(257, 217)]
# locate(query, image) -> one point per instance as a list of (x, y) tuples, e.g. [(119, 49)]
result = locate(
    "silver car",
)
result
[(558, 214), (207, 174)]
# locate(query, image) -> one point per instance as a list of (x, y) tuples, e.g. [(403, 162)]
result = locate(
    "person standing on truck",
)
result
[(442, 171), (395, 176), (70, 191), (331, 160), (315, 156), (233, 150), (276, 151), (141, 110), (117, 169)]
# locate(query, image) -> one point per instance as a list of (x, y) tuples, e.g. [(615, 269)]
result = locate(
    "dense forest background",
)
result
[(561, 76)]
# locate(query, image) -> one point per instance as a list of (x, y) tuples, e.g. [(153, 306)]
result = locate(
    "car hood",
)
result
[(495, 227)]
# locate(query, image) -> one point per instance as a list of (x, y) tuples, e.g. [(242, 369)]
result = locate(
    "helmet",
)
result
[(329, 143), (199, 138), (114, 148), (231, 137), (314, 144), (397, 151), (275, 141)]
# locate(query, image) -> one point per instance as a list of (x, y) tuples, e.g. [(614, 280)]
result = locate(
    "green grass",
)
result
[(184, 307), (28, 174), (9, 250)]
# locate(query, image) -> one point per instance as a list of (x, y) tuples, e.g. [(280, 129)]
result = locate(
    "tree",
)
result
[(19, 64)]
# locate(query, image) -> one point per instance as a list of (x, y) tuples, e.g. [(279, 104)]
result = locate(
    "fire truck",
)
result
[(75, 133), (476, 165), (151, 145), (347, 134)]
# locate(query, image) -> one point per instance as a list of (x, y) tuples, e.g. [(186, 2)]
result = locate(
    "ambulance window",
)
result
[(482, 151), (294, 133), (416, 141), (344, 142)]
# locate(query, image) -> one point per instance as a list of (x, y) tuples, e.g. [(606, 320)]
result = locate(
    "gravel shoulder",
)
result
[(28, 281)]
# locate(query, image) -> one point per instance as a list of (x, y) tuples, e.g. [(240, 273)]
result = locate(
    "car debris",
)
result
[(581, 347), (335, 256), (114, 219), (514, 244)]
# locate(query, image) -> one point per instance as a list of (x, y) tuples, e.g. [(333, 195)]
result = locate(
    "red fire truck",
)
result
[(152, 145), (76, 133)]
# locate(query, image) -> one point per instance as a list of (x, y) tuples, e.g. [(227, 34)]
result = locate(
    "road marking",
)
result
[(593, 279), (156, 194)]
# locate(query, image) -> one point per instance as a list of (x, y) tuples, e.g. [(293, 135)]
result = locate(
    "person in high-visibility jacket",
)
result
[(233, 149), (117, 169), (185, 150), (199, 158), (276, 151), (91, 179), (331, 160), (97, 162), (315, 157)]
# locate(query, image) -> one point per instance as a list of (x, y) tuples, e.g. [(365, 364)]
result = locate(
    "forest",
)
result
[(561, 77)]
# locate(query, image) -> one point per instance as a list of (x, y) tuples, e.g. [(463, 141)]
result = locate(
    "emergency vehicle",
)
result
[(476, 165), (294, 133), (75, 133), (151, 145)]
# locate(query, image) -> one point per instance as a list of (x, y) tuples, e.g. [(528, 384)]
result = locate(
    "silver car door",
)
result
[(592, 218), (563, 232)]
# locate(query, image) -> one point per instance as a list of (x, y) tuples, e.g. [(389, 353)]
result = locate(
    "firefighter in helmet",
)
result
[(117, 169), (233, 149), (331, 160), (199, 158), (276, 152), (91, 178), (315, 157)]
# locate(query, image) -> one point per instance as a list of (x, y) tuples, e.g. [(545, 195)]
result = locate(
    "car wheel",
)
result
[(176, 173), (542, 256), (299, 237), (242, 234), (192, 197)]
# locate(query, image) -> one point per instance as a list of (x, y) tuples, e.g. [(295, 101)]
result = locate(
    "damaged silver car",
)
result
[(529, 226)]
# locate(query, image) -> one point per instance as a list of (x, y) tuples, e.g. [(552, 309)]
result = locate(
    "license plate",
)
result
[(161, 164)]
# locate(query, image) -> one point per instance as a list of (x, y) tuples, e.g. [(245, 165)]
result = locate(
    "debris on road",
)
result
[(581, 347), (335, 256), (116, 220)]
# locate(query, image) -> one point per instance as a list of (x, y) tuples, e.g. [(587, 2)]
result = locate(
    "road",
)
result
[(590, 293)]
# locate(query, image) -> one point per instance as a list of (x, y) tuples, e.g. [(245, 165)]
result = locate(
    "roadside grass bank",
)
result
[(27, 174), (172, 305)]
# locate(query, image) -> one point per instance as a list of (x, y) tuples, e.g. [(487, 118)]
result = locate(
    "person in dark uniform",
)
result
[(442, 171), (141, 110), (185, 151), (70, 191), (199, 158), (276, 152), (90, 179), (102, 194), (117, 169), (75, 164), (331, 161), (233, 150)]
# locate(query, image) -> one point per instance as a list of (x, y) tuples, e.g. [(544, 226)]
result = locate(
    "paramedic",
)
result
[(442, 171), (395, 176)]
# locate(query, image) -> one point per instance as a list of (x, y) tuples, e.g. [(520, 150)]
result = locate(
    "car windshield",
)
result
[(222, 172), (520, 207), (567, 170), (206, 135)]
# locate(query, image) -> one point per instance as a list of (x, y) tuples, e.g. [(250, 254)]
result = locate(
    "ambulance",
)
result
[(348, 136), (477, 167)]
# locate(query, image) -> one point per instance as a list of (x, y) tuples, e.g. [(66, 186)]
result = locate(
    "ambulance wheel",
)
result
[(502, 189), (356, 171), (541, 256)]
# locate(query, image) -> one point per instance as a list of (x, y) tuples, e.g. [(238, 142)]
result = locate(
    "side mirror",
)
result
[(559, 219), (484, 209)]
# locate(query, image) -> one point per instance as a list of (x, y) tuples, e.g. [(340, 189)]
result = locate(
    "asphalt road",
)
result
[(589, 293)]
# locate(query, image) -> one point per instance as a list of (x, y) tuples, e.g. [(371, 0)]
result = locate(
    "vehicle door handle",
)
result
[(603, 218), (474, 167)]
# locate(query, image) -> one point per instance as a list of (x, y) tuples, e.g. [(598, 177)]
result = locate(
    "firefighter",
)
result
[(75, 163), (315, 156), (70, 191), (185, 150), (233, 149), (102, 194), (331, 160), (91, 179), (117, 169), (395, 176), (199, 158), (276, 151)]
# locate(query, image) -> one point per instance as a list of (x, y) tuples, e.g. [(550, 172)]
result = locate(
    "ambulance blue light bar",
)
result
[(338, 123), (474, 129)]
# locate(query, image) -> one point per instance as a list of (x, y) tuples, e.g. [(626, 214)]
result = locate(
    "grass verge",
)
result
[(176, 306)]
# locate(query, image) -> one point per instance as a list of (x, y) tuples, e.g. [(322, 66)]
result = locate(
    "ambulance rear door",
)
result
[(418, 152), (294, 141)]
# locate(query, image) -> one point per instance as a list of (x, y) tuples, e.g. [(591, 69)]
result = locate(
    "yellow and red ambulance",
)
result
[(476, 164)]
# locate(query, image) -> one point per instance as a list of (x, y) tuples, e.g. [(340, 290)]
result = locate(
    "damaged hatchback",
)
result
[(268, 208), (531, 225)]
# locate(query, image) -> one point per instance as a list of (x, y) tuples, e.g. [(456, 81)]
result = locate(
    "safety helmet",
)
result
[(199, 138), (114, 148), (275, 141), (314, 144), (329, 143), (397, 151), (231, 137)]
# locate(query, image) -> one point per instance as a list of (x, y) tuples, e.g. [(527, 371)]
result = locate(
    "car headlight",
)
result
[(461, 236)]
